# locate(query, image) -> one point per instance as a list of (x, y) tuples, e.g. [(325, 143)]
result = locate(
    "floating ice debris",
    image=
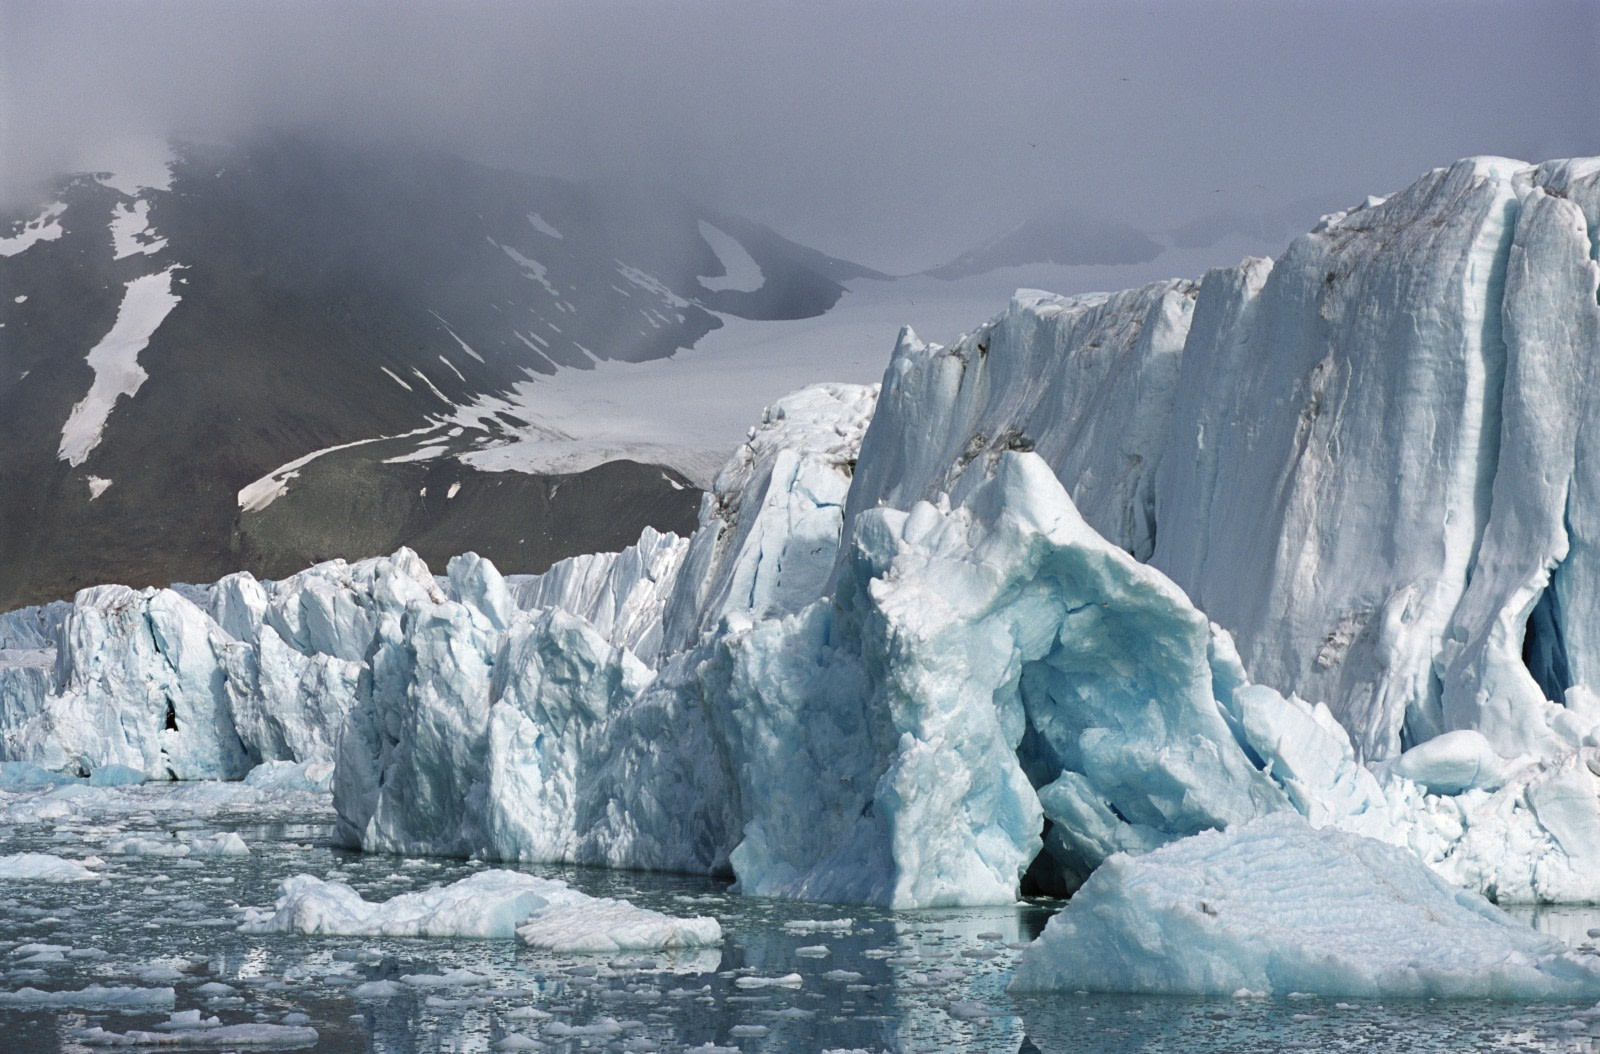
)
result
[(43, 867), (256, 1036), (92, 996), (452, 978), (789, 980), (186, 1019), (485, 904), (384, 989), (819, 925), (608, 926), (545, 913)]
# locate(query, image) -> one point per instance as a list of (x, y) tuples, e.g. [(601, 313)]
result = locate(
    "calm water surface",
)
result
[(869, 980)]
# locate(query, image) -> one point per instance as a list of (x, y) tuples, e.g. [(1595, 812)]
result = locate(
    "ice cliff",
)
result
[(1312, 536)]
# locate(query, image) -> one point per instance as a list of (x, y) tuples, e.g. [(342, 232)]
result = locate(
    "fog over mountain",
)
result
[(899, 136)]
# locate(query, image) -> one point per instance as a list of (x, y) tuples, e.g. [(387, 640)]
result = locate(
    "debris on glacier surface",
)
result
[(1274, 907)]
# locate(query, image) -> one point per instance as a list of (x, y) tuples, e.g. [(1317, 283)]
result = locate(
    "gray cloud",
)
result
[(893, 133)]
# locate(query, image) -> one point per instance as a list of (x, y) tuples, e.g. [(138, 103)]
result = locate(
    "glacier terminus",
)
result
[(1259, 613)]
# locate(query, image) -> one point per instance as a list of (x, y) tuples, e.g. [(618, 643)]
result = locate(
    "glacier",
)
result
[(1309, 537)]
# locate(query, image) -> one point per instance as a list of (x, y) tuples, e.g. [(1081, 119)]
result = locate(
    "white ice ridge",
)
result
[(1274, 907), (740, 272), (45, 227), (545, 913), (115, 361)]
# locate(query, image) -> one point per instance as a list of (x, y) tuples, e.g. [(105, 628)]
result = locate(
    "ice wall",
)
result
[(1368, 461)]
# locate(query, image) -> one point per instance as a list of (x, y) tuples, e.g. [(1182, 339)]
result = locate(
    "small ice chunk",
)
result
[(384, 989), (455, 977), (485, 904), (819, 925), (226, 843), (788, 980), (187, 1019), (606, 926), (813, 951), (92, 996), (256, 1036), (43, 867), (1453, 763), (111, 775)]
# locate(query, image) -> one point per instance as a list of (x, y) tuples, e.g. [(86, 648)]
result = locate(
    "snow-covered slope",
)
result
[(263, 355)]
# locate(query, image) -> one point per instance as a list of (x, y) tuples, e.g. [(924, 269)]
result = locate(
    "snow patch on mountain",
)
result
[(740, 272), (134, 164), (131, 233), (543, 226), (146, 303), (45, 227), (254, 497)]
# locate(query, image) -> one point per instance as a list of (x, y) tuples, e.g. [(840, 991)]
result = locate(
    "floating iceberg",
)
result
[(248, 1036), (43, 867), (545, 913), (1275, 907), (94, 996), (606, 926)]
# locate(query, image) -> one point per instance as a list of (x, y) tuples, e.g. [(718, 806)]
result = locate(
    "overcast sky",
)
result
[(895, 134)]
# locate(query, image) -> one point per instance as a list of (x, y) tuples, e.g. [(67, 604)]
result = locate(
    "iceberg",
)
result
[(43, 867), (544, 913), (247, 1036), (1274, 907)]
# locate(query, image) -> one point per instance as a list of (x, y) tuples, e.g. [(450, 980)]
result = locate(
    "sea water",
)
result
[(788, 977)]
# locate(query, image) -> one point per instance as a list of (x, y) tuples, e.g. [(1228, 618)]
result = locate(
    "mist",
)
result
[(893, 134)]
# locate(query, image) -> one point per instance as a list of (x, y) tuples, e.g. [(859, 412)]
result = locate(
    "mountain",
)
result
[(1307, 538), (1068, 239), (255, 356)]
